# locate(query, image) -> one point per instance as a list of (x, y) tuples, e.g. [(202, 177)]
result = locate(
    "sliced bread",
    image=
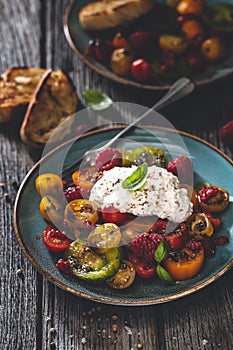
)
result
[(54, 99), (17, 86), (104, 14)]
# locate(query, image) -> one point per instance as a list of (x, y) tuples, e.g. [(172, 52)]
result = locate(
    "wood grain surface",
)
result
[(34, 313)]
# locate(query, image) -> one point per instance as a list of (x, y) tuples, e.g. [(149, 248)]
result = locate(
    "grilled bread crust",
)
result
[(17, 86), (106, 14), (54, 100)]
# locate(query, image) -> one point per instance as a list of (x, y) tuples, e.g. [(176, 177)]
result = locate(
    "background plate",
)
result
[(209, 165), (78, 40)]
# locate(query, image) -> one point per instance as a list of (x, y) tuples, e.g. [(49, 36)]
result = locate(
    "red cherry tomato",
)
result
[(142, 71), (55, 240), (111, 214), (178, 238), (215, 220), (142, 269)]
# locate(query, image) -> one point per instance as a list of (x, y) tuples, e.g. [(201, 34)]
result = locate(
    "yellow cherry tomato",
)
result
[(52, 210), (195, 7), (79, 211), (104, 237), (49, 184), (85, 177), (213, 49), (121, 61), (173, 43), (199, 225)]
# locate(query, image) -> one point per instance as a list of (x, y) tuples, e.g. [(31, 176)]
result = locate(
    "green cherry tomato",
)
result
[(147, 154), (173, 43), (220, 17)]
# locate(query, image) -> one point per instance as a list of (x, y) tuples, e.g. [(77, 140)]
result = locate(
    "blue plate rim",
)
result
[(100, 299)]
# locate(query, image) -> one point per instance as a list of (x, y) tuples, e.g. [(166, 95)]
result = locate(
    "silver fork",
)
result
[(179, 89)]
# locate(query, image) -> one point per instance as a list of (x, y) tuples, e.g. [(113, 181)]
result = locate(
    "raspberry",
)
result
[(63, 266), (182, 167), (206, 192), (221, 240), (75, 192), (226, 134), (144, 246), (108, 159)]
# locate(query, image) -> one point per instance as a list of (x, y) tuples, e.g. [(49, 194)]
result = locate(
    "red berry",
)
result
[(76, 192), (226, 134), (108, 159), (206, 192), (144, 246), (181, 167), (194, 245), (63, 266)]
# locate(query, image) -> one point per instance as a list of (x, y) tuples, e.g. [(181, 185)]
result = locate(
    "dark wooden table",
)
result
[(31, 34)]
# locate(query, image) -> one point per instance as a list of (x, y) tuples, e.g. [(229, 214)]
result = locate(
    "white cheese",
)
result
[(161, 195)]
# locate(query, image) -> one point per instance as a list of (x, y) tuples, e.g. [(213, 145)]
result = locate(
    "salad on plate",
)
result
[(133, 215)]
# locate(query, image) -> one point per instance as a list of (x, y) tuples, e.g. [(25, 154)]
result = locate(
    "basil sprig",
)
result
[(137, 179), (160, 254), (97, 100)]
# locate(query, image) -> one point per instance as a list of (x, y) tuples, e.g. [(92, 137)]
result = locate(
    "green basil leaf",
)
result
[(97, 100), (199, 184), (163, 274), (161, 252), (137, 179)]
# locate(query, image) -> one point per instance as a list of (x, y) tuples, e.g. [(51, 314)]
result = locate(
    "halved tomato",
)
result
[(85, 177), (124, 277), (55, 240), (185, 264), (104, 237)]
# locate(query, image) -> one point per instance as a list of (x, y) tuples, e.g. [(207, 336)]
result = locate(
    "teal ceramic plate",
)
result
[(209, 165), (78, 40)]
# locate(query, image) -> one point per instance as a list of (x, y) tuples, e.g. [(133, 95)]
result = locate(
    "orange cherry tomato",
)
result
[(120, 42), (213, 49), (79, 211), (193, 31), (191, 6), (185, 265), (85, 177)]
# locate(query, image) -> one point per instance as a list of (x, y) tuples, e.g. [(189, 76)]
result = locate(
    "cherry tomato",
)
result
[(193, 31), (142, 71), (213, 49), (124, 277), (216, 221), (178, 238), (142, 269), (120, 42), (111, 214), (55, 240), (50, 184), (104, 237), (176, 44), (191, 6), (51, 209), (79, 211), (185, 264), (213, 199), (85, 177), (199, 225), (120, 62)]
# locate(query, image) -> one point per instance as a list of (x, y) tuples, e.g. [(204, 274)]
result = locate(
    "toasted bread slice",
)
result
[(54, 100), (17, 86), (106, 14)]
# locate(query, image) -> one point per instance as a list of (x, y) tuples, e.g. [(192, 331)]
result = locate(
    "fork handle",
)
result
[(179, 89)]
